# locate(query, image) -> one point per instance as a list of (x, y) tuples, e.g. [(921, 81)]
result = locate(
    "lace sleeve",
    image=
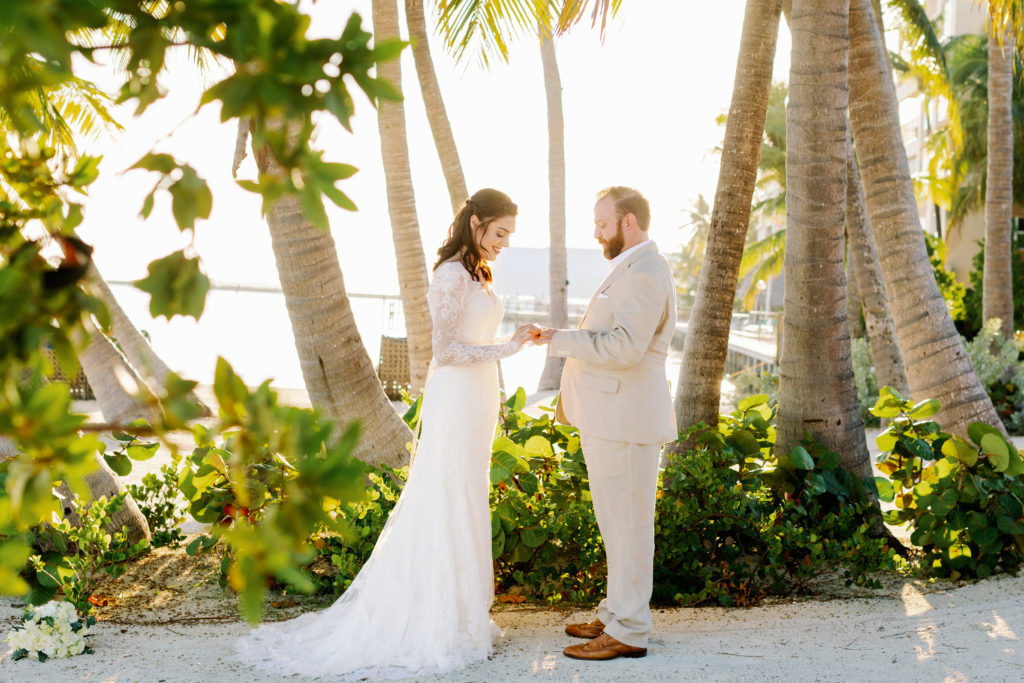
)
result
[(448, 291)]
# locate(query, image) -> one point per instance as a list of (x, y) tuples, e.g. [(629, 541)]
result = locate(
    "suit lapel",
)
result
[(616, 273)]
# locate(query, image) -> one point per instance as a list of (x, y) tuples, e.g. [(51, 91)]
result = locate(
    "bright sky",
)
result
[(639, 110)]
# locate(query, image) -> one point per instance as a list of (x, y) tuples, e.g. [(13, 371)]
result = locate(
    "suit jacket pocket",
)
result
[(609, 385)]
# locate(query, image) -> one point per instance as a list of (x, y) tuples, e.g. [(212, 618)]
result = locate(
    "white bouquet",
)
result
[(51, 630)]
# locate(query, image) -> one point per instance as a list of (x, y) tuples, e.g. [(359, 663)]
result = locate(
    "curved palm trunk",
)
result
[(103, 481), (135, 346), (854, 304), (817, 392), (115, 384), (698, 390), (551, 377), (337, 371), (863, 259), (405, 229), (937, 365), (440, 127), (997, 286), (121, 393)]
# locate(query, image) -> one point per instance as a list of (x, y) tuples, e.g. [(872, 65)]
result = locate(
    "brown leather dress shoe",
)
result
[(588, 631), (603, 647)]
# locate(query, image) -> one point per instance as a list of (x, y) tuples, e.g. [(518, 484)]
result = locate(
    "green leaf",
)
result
[(143, 451), (191, 199), (977, 430), (886, 492), (746, 441), (750, 401), (958, 449), (532, 536), (925, 409), (539, 447), (994, 446), (119, 463), (176, 286), (801, 458), (886, 441)]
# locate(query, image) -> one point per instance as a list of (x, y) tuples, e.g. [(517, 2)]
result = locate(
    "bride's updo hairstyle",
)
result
[(487, 205)]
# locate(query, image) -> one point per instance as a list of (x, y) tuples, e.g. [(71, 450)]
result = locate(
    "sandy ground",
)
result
[(967, 633)]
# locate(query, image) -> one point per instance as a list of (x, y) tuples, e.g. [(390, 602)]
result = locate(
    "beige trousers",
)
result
[(623, 483)]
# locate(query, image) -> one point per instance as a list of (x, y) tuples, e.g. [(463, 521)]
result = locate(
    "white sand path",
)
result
[(969, 633)]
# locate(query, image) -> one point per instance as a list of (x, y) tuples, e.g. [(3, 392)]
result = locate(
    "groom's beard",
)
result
[(613, 247)]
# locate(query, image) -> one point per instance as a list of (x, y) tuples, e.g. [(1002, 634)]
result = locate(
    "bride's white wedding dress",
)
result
[(420, 603)]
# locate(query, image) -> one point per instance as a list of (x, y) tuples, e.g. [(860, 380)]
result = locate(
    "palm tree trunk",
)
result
[(698, 390), (863, 257), (551, 376), (997, 286), (440, 127), (135, 346), (854, 304), (817, 392), (103, 481), (337, 371), (405, 230), (936, 362), (123, 396)]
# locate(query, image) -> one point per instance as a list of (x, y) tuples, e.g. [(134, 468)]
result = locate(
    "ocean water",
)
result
[(252, 331)]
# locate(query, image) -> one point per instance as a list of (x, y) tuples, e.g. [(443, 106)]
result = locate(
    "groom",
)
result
[(614, 389)]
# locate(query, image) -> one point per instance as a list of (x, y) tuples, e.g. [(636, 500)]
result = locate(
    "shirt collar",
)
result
[(624, 255)]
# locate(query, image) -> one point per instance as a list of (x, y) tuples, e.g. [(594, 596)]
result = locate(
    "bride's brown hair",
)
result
[(487, 205)]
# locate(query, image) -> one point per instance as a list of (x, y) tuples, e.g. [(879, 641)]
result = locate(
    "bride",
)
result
[(420, 603)]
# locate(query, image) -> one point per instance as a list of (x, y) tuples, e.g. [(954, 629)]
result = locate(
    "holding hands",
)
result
[(531, 332)]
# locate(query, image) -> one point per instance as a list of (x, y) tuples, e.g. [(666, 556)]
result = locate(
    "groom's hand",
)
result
[(544, 335)]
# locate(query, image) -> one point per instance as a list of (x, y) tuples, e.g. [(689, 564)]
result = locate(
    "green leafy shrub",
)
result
[(973, 323), (277, 477), (366, 518), (81, 554), (736, 522), (996, 360), (160, 501), (544, 536), (961, 498), (953, 291), (867, 381)]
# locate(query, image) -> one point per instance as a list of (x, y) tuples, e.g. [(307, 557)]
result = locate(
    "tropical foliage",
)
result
[(961, 497), (287, 80)]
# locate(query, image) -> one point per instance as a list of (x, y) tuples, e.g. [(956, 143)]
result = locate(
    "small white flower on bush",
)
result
[(50, 630)]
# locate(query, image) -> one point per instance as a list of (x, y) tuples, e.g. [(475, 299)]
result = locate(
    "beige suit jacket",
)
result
[(613, 384)]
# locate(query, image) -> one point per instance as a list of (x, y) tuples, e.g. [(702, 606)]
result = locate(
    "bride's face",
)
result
[(494, 237)]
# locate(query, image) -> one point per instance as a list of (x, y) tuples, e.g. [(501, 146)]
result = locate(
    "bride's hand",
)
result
[(525, 333)]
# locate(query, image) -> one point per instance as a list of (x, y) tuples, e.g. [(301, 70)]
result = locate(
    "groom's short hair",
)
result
[(628, 200)]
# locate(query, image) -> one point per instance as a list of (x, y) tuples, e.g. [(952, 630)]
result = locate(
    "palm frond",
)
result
[(770, 267), (928, 59), (574, 10), (768, 249), (488, 27), (1005, 16)]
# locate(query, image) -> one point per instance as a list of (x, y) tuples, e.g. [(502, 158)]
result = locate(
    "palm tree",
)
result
[(936, 362), (551, 376), (862, 258), (997, 298), (133, 344), (686, 265), (405, 230), (495, 24), (440, 127), (337, 371), (817, 393), (698, 388)]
